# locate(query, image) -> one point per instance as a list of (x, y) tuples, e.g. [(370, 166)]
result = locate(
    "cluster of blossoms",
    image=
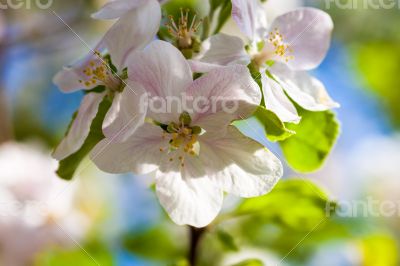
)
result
[(32, 216), (195, 154)]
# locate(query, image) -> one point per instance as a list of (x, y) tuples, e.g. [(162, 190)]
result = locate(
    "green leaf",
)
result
[(206, 28), (214, 5), (227, 240), (296, 203), (155, 244), (315, 137), (274, 128), (223, 17), (250, 262), (97, 89), (68, 166)]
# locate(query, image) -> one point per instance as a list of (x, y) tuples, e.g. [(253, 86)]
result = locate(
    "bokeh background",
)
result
[(99, 219)]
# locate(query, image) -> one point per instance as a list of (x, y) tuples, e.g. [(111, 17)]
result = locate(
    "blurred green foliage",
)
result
[(251, 262), (156, 244), (379, 64), (296, 203), (92, 253), (227, 240), (372, 37), (380, 250)]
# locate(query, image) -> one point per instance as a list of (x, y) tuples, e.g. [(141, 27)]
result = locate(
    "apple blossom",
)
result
[(30, 207), (138, 23), (195, 155), (293, 44)]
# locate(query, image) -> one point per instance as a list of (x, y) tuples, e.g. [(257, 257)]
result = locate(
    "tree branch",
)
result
[(195, 237)]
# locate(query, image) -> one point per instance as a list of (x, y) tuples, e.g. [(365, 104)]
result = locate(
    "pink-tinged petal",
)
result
[(133, 31), (222, 49), (240, 165), (126, 114), (139, 154), (67, 80), (164, 74), (308, 32), (80, 127), (73, 78), (202, 67), (118, 8), (304, 89), (251, 18), (187, 200), (277, 101), (161, 69), (223, 95)]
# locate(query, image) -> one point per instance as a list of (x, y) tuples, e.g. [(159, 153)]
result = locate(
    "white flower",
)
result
[(197, 155), (138, 23), (32, 209), (293, 44)]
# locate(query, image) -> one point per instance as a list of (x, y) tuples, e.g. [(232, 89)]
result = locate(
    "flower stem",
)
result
[(195, 237)]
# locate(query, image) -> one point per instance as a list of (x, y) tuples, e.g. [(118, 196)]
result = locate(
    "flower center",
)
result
[(183, 32), (274, 48), (182, 139), (98, 72)]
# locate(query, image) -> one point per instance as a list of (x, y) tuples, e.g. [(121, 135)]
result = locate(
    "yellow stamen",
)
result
[(182, 31), (281, 48)]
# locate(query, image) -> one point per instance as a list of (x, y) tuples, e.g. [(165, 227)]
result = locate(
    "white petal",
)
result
[(308, 32), (72, 78), (304, 89), (118, 8), (223, 49), (133, 31), (161, 69), (223, 95), (240, 165), (80, 127), (126, 114), (164, 73), (193, 201), (202, 67), (140, 153), (277, 101), (67, 80), (251, 18)]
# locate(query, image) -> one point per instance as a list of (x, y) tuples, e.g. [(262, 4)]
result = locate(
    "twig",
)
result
[(195, 237)]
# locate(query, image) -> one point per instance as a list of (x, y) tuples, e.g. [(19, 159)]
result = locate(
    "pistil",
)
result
[(182, 139)]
